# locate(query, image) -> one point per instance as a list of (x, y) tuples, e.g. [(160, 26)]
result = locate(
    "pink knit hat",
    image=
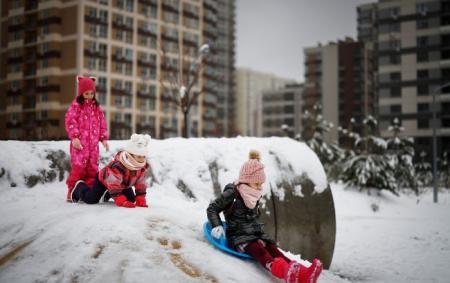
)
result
[(85, 84), (252, 171)]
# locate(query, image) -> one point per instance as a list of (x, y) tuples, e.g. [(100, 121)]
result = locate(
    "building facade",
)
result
[(133, 47), (334, 78), (226, 46), (282, 111), (250, 85), (412, 47)]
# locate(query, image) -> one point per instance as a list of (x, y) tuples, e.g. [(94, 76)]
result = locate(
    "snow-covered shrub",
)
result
[(370, 166)]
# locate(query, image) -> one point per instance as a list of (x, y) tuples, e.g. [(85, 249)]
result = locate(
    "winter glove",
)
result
[(141, 201), (121, 200), (217, 232)]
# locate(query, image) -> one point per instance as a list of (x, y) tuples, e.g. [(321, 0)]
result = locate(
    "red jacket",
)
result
[(116, 177)]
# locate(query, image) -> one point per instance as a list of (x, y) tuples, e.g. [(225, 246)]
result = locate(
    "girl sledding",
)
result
[(239, 202)]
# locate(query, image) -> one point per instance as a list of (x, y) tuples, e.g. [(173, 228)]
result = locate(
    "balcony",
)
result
[(146, 63), (94, 20), (47, 88), (120, 91), (146, 32), (122, 26), (122, 59), (167, 6)]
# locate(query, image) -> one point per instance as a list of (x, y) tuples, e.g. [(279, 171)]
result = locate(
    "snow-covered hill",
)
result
[(44, 239)]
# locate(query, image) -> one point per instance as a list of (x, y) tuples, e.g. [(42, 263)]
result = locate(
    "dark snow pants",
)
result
[(264, 254), (93, 195)]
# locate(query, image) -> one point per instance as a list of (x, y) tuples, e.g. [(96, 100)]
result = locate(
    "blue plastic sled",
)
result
[(221, 243)]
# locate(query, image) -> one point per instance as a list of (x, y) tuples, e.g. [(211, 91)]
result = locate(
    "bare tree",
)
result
[(181, 86)]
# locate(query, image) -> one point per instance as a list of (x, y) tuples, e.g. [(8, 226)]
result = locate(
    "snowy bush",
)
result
[(401, 154), (331, 155), (370, 166)]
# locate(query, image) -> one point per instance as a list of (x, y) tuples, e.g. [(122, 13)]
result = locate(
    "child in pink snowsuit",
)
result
[(86, 126)]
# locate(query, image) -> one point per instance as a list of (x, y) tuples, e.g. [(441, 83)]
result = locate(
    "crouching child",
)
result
[(116, 179)]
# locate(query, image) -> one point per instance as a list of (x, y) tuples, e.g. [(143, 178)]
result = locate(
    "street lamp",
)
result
[(435, 189)]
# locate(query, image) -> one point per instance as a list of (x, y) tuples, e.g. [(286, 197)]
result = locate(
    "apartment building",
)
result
[(282, 111), (133, 47), (225, 45), (335, 78), (250, 85), (412, 46)]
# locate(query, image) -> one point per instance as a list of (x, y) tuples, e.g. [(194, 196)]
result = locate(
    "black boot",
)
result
[(106, 196), (76, 192)]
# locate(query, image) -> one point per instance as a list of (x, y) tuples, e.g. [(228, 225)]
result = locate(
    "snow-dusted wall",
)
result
[(297, 202), (195, 162)]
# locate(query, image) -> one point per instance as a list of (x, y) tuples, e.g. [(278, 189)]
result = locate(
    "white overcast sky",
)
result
[(271, 34)]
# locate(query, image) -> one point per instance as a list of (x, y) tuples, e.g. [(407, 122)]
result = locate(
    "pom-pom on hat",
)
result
[(137, 144), (85, 84), (252, 171)]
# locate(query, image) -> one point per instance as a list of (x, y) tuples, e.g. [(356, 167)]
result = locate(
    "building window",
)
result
[(102, 48), (102, 83), (422, 74), (423, 123), (128, 37), (129, 5), (91, 63), (423, 107), (102, 65), (16, 36), (128, 119), (422, 8), (44, 97), (93, 30), (396, 109), (119, 35), (422, 90), (395, 76), (103, 31), (128, 69), (45, 29), (117, 103), (394, 59), (101, 98), (44, 63), (44, 48), (396, 92), (422, 56), (445, 54), (128, 101), (422, 41), (119, 68), (103, 15), (421, 24)]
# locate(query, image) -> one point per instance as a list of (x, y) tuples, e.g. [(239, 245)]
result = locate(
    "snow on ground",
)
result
[(44, 239), (407, 239)]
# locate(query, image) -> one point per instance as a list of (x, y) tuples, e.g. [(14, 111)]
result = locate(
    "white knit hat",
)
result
[(137, 144)]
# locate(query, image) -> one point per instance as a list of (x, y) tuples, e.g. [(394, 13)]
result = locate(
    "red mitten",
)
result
[(141, 201), (121, 200)]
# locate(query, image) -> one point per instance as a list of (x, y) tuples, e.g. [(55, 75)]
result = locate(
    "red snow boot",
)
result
[(279, 268), (309, 274), (287, 271)]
